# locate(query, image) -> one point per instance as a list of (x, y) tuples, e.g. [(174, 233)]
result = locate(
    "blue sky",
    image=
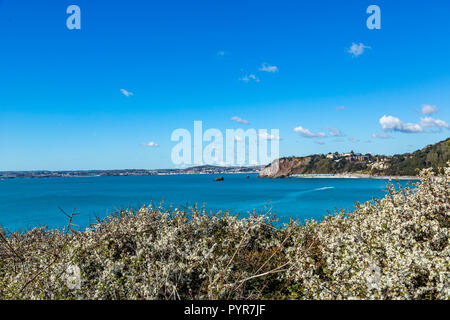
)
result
[(284, 65)]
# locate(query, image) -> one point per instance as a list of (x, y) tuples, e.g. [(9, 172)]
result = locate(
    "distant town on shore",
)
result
[(406, 164), (206, 169)]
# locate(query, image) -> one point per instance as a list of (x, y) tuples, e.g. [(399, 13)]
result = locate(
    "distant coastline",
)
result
[(126, 172), (348, 165), (363, 166)]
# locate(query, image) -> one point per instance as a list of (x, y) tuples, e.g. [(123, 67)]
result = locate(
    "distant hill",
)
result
[(221, 169), (406, 164), (435, 155)]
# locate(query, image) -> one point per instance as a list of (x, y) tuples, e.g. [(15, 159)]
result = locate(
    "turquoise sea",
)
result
[(27, 203)]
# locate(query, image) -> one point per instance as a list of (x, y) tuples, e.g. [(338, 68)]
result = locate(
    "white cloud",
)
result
[(353, 139), (381, 136), (264, 135), (335, 132), (249, 78), (357, 49), (151, 144), (430, 122), (390, 123), (429, 109), (221, 54), (238, 139), (268, 68), (308, 134), (126, 93), (340, 108), (319, 142), (239, 120)]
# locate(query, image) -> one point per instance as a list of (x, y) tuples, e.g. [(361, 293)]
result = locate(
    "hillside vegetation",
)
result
[(408, 164), (393, 248), (432, 156)]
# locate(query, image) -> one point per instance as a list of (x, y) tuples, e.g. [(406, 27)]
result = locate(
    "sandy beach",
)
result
[(356, 176)]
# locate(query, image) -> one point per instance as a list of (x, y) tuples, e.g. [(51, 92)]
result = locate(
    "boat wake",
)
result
[(323, 188)]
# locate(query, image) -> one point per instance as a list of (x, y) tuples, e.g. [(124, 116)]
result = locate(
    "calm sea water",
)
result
[(27, 203)]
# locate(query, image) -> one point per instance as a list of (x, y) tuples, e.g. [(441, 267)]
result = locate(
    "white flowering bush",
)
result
[(393, 248)]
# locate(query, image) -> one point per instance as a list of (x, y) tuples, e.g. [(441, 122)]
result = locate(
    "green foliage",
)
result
[(409, 164), (432, 156)]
